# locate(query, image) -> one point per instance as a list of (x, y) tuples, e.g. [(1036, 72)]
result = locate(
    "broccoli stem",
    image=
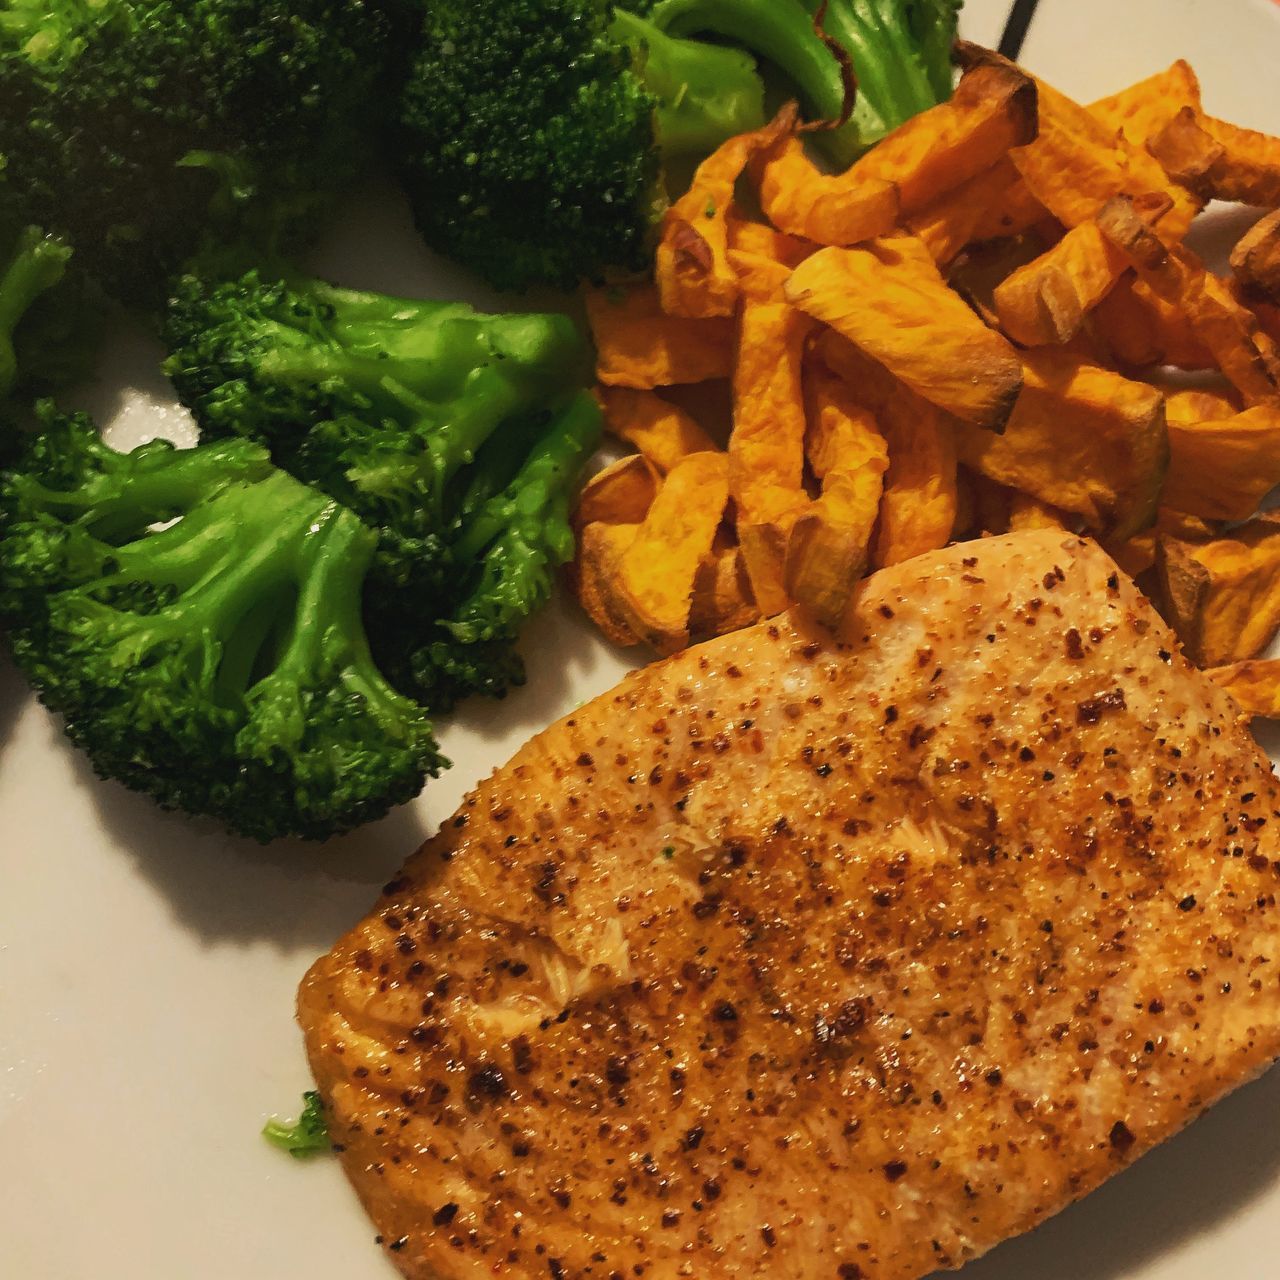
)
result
[(780, 30), (705, 93), (39, 262)]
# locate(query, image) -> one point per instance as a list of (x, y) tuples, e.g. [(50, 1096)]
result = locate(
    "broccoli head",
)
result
[(457, 436), (535, 137), (138, 129), (196, 618)]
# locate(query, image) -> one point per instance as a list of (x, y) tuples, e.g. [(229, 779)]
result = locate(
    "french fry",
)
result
[(1249, 168), (1222, 469), (1026, 512), (658, 569), (766, 449), (980, 270), (1223, 596), (1188, 153), (621, 493), (1139, 329), (1255, 685), (1138, 554), (1190, 406), (638, 345), (663, 432), (1076, 164), (695, 277), (919, 508), (889, 299), (993, 205), (801, 200), (829, 545), (1046, 301), (764, 259), (1142, 110), (600, 548), (1256, 258), (722, 598), (1083, 439), (1228, 329), (992, 110)]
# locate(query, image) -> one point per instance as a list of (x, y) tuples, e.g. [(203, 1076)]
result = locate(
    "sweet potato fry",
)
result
[(1248, 170), (919, 507), (722, 599), (798, 198), (1138, 554), (764, 259), (830, 542), (621, 493), (1046, 301), (600, 548), (982, 268), (1223, 596), (1256, 258), (1077, 163), (1187, 407), (1188, 153), (658, 570), (1143, 109), (638, 345), (993, 205), (1228, 329), (1222, 470), (890, 300), (663, 432), (1082, 439), (992, 110), (695, 278), (1026, 512), (766, 449), (1255, 685), (1139, 329)]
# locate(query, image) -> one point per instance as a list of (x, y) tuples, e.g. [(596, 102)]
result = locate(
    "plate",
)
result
[(148, 962)]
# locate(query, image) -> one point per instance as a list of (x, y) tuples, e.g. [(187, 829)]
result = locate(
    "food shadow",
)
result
[(1196, 1181), (14, 697), (294, 894)]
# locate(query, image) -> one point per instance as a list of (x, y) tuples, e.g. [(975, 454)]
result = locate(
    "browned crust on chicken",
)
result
[(792, 958)]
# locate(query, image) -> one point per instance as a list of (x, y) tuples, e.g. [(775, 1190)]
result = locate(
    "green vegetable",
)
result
[(307, 1136), (141, 129), (457, 436), (195, 617), (534, 135)]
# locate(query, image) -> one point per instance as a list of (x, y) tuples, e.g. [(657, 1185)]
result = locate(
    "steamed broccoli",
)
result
[(456, 435), (195, 616), (140, 129), (307, 1136), (533, 135)]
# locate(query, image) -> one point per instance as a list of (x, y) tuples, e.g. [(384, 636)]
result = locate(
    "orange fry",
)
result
[(1256, 258), (1188, 407), (1140, 329), (763, 258), (1255, 685), (600, 548), (1082, 439), (658, 570), (1249, 169), (890, 300), (663, 432), (994, 204), (798, 198), (1222, 470), (766, 449), (1228, 329), (829, 544), (639, 346), (722, 598), (1046, 301), (919, 508), (1143, 109), (621, 493), (695, 277)]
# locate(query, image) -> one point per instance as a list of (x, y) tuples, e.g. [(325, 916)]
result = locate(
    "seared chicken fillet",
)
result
[(797, 957)]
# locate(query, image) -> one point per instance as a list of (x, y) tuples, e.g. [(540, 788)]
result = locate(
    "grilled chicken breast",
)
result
[(801, 958)]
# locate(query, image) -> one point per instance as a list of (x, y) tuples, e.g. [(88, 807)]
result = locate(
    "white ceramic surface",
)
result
[(148, 963)]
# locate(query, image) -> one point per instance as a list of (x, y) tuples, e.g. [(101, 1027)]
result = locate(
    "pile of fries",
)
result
[(969, 332)]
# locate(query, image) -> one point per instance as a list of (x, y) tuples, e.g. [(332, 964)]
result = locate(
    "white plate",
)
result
[(148, 963)]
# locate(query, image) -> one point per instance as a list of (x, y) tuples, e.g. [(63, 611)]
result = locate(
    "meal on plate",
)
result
[(819, 955), (927, 882)]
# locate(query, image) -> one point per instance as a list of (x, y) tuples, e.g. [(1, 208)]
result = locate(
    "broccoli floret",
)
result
[(140, 129), (456, 435), (534, 135), (195, 616), (307, 1136)]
